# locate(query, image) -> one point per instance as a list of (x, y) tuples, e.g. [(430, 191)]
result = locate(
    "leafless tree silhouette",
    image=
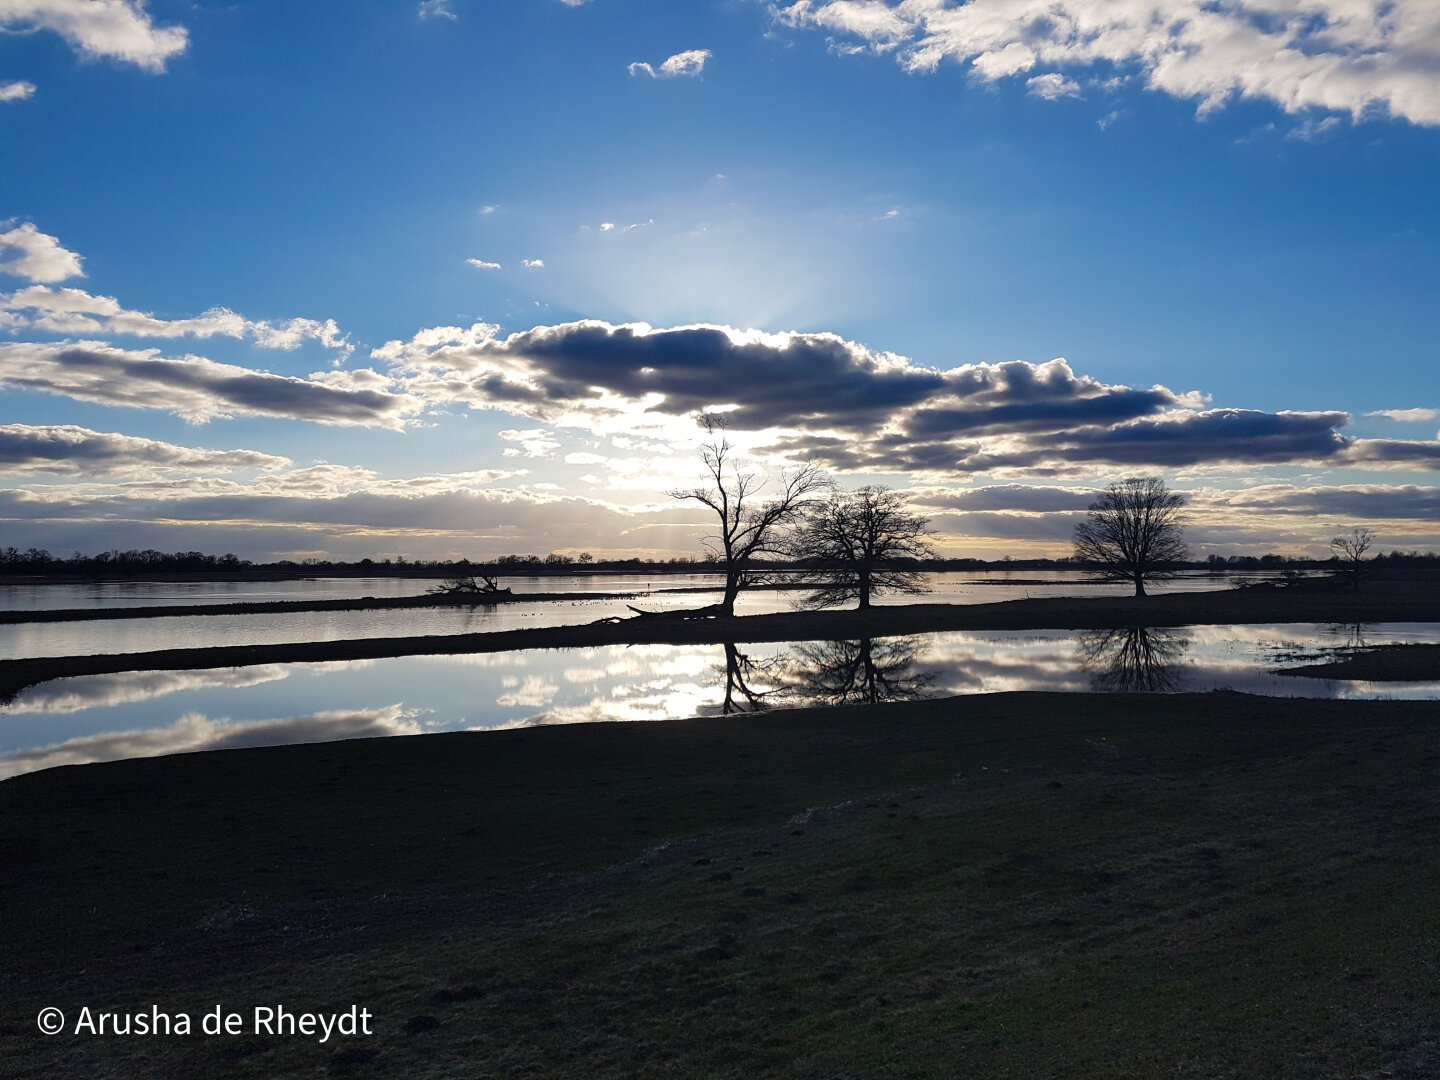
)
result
[(750, 525), (854, 537), (1133, 531), (1133, 659), (743, 678), (1350, 551), (858, 672)]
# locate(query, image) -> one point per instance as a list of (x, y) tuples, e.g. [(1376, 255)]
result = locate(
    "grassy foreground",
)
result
[(1012, 885)]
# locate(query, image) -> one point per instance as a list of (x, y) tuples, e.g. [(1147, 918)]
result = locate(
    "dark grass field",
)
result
[(1013, 885)]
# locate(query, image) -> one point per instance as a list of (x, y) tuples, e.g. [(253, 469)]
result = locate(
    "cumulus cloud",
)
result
[(818, 395), (16, 91), (27, 252), (75, 311), (1345, 56), (100, 29), (689, 62), (590, 366), (437, 9), (481, 264), (1052, 86), (196, 388), (71, 450), (533, 264)]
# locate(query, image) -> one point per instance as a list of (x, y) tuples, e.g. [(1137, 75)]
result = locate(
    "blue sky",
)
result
[(916, 205)]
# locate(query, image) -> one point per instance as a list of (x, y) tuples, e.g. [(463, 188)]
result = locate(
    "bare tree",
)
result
[(855, 538), (1350, 551), (750, 525), (1133, 531)]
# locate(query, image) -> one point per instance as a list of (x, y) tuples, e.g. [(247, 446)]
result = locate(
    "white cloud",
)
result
[(481, 264), (1409, 416), (100, 29), (1345, 56), (437, 9), (531, 443), (533, 264), (1052, 86), (16, 91), (607, 226), (75, 311), (27, 252), (689, 62)]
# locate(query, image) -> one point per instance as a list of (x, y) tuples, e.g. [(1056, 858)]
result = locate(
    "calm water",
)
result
[(23, 640), (99, 718)]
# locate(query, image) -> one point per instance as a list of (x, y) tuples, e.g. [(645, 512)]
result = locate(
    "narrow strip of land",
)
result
[(1395, 601), (296, 607), (1378, 663)]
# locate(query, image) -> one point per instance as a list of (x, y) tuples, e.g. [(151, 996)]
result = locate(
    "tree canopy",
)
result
[(1133, 531)]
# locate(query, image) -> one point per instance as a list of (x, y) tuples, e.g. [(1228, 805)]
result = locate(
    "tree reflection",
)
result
[(744, 676), (852, 672), (1133, 659), (1352, 635)]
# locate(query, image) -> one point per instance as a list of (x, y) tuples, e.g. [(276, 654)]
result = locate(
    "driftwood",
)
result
[(468, 586), (710, 612)]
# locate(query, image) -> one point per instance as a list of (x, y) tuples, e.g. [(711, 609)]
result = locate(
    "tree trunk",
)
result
[(864, 589), (1139, 584), (732, 590)]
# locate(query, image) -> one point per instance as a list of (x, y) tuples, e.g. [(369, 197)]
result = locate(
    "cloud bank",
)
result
[(77, 451), (1358, 57), (198, 389)]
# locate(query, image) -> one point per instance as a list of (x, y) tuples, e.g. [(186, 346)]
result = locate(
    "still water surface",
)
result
[(99, 718), (25, 640)]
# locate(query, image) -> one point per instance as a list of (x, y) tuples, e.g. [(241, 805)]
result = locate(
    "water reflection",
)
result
[(1133, 659), (195, 732), (749, 681), (125, 687), (135, 714), (865, 671)]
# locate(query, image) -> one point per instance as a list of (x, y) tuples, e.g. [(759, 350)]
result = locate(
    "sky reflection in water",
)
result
[(97, 718), (653, 592)]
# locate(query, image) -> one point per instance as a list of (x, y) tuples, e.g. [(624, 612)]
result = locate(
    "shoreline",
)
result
[(1377, 663), (1380, 601)]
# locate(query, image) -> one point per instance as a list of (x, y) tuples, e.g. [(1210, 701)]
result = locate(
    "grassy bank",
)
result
[(1379, 663), (1020, 884)]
